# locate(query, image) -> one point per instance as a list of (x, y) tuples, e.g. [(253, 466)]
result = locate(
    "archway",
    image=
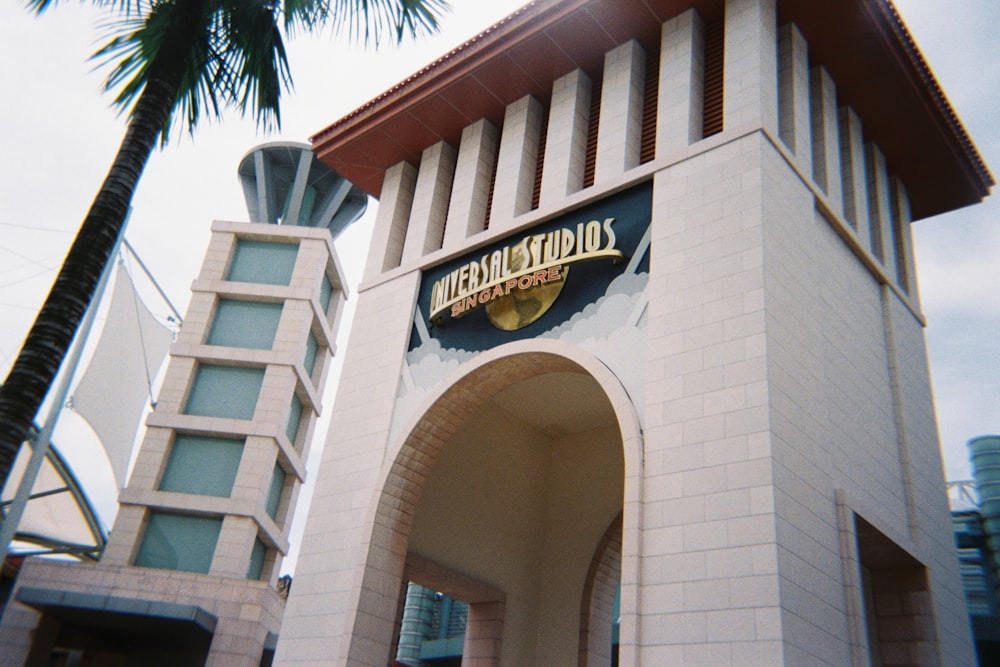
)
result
[(509, 479)]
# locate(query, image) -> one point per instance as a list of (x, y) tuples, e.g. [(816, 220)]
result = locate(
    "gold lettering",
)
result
[(536, 259), (536, 250), (496, 264), (473, 276), (567, 244), (592, 243), (453, 284), (612, 239), (463, 279), (553, 243)]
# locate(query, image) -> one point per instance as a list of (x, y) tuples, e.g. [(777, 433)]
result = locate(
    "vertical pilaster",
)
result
[(853, 171), (122, 541), (905, 268), (430, 201), (826, 138), (566, 142), (477, 152), (386, 249), (682, 82), (750, 79), (879, 208), (483, 635), (235, 543), (619, 136), (793, 95), (516, 161)]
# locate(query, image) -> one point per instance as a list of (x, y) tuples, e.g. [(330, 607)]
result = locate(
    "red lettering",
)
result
[(555, 273), (484, 296), (524, 282), (539, 278)]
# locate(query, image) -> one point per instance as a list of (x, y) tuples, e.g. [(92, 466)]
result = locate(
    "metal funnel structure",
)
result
[(284, 184)]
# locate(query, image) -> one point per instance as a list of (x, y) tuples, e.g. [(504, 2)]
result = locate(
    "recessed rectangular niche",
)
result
[(249, 324), (202, 465), (263, 262)]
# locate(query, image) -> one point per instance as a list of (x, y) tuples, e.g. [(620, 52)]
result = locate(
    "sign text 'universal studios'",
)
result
[(538, 259)]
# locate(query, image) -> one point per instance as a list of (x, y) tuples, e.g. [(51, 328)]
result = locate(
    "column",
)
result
[(826, 138), (793, 95), (682, 82), (477, 153), (566, 142), (750, 81), (619, 135), (522, 124), (430, 201), (853, 171), (386, 249)]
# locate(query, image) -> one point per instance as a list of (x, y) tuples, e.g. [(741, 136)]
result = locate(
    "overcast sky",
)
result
[(58, 137)]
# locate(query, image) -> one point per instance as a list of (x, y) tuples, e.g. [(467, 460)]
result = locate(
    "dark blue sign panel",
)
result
[(537, 279)]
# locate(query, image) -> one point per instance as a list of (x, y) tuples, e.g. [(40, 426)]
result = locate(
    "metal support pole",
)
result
[(40, 444)]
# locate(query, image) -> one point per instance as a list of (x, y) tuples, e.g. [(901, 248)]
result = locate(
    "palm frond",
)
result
[(231, 53), (126, 8), (163, 42), (256, 61), (370, 20)]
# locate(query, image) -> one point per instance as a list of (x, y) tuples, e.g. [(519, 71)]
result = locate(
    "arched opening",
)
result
[(501, 495)]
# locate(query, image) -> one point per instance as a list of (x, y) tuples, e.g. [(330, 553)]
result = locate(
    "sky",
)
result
[(58, 135)]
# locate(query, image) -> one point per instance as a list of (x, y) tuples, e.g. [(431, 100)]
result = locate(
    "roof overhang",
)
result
[(863, 44), (124, 621)]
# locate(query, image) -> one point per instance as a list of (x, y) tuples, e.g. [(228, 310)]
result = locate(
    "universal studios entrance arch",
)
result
[(639, 319)]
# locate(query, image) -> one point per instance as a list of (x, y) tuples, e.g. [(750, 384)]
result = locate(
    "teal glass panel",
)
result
[(312, 347), (274, 493), (245, 324), (179, 542), (225, 391), (263, 262), (325, 294), (203, 465), (257, 555), (294, 418)]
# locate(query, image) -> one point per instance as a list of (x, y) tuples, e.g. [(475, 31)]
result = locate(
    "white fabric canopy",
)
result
[(61, 514), (114, 390)]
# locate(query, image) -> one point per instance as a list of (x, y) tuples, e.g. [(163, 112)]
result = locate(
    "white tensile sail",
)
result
[(114, 390)]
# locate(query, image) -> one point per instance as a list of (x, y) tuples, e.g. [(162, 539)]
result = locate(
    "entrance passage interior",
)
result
[(897, 597), (519, 519)]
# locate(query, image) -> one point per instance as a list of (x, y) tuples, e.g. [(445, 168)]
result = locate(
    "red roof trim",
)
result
[(883, 76)]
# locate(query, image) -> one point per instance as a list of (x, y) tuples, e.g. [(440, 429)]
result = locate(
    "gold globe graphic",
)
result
[(523, 306)]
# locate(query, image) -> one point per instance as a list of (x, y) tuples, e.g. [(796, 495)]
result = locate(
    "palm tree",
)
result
[(168, 57)]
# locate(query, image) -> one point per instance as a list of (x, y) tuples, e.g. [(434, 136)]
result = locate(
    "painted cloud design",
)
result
[(611, 329)]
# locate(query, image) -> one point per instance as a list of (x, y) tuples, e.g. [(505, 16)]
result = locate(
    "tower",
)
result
[(189, 576), (639, 318)]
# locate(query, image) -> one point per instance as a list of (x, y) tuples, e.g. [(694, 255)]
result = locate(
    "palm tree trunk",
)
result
[(55, 326)]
